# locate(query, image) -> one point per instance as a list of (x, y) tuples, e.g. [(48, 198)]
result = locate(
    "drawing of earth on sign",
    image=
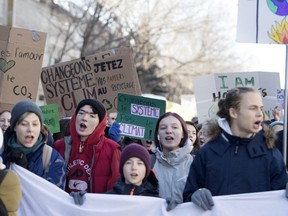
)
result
[(279, 7), (212, 112)]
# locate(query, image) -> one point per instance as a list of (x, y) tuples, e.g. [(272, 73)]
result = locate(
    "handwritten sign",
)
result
[(21, 57), (51, 117), (101, 76), (138, 115), (217, 85), (262, 21)]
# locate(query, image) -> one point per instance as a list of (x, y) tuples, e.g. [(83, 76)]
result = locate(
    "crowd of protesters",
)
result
[(188, 161)]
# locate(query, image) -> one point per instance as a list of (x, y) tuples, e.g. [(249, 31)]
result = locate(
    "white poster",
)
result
[(43, 198), (262, 21), (217, 85)]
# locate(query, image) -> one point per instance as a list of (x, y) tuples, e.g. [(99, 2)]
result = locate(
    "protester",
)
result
[(193, 136), (209, 131), (25, 144), (64, 129), (111, 118), (49, 140), (92, 159), (10, 188), (173, 157), (149, 145), (112, 130), (242, 159), (137, 178), (5, 117)]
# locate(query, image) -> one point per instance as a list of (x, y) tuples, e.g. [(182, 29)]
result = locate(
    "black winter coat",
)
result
[(148, 188)]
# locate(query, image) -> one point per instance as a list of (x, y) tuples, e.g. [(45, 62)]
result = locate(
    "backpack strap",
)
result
[(46, 155), (153, 160), (68, 146)]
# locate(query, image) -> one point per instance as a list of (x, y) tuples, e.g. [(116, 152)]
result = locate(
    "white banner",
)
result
[(43, 198)]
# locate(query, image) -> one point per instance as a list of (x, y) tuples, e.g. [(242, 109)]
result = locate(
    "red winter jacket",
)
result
[(96, 169)]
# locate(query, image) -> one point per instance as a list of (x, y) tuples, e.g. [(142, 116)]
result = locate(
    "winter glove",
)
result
[(78, 197), (114, 132), (171, 205), (287, 190), (18, 157), (203, 198)]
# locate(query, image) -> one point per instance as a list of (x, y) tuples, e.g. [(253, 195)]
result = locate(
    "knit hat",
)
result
[(22, 107), (274, 123), (135, 150), (94, 103)]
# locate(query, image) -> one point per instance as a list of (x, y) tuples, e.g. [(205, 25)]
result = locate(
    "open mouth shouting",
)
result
[(257, 125), (169, 138), (82, 127)]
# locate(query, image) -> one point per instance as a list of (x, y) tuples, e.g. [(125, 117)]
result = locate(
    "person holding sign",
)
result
[(25, 144), (173, 158), (241, 159), (92, 160)]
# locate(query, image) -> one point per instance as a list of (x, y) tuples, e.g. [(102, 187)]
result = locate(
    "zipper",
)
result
[(236, 150), (132, 191), (92, 165), (81, 147)]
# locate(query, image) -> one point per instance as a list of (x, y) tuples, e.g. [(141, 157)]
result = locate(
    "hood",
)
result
[(175, 157)]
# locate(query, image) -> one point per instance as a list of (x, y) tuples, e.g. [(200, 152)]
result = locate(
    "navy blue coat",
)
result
[(233, 165), (148, 188), (55, 171)]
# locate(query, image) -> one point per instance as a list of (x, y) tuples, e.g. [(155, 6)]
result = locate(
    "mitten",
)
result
[(78, 197), (114, 132), (171, 205), (18, 157), (203, 198)]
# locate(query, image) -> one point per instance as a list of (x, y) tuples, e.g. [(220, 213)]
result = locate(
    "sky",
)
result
[(267, 57)]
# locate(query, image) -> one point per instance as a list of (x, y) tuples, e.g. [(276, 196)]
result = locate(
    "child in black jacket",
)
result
[(137, 178)]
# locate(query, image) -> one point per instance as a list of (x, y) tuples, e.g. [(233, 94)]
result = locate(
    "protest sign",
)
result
[(280, 98), (210, 88), (21, 57), (51, 117), (138, 115), (101, 76), (262, 21)]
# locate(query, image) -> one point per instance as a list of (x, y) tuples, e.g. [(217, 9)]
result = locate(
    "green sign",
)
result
[(51, 117), (138, 115)]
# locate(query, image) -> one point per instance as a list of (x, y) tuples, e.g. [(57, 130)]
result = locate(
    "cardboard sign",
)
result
[(101, 76), (217, 85), (51, 117), (262, 21), (21, 57), (138, 115)]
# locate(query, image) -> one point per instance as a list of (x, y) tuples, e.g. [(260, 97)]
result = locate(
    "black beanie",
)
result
[(135, 150), (22, 107), (95, 104)]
